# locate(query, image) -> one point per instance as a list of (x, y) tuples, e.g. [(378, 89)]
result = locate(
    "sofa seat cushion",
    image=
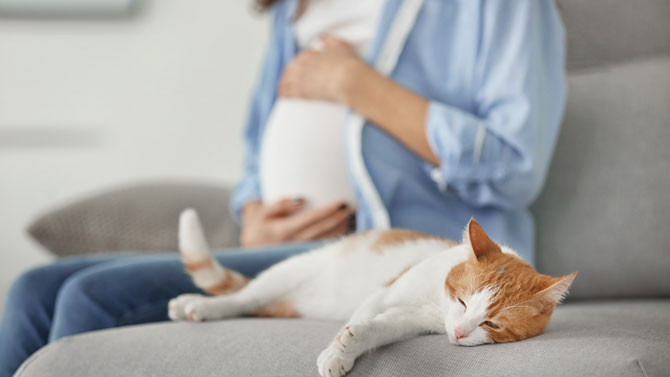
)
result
[(616, 338)]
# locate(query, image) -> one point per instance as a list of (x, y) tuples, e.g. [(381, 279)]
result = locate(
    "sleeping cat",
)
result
[(390, 285)]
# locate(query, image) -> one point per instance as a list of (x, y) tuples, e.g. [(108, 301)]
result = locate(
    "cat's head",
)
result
[(495, 297)]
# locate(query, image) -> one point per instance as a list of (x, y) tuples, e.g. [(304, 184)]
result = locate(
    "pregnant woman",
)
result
[(412, 114)]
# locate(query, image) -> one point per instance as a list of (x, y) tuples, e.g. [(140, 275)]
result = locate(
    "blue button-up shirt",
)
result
[(493, 71)]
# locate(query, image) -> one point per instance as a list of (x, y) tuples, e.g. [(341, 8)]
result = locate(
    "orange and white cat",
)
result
[(391, 285)]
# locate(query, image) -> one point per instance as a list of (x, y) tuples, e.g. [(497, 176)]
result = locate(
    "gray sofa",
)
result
[(604, 211)]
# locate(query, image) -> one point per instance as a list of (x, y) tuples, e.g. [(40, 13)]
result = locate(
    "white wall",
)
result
[(85, 104)]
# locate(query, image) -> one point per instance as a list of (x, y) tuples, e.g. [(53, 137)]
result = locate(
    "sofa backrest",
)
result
[(605, 208)]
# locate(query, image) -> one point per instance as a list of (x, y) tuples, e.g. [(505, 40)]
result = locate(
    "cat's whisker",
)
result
[(516, 307)]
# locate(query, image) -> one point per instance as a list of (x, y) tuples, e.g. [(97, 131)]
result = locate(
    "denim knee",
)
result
[(80, 307), (27, 317), (31, 288), (40, 285)]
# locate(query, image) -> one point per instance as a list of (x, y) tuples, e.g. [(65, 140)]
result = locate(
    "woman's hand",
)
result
[(283, 221), (335, 73), (321, 74)]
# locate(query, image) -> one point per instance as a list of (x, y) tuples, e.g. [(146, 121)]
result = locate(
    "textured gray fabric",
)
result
[(583, 339), (141, 217), (605, 208), (603, 32)]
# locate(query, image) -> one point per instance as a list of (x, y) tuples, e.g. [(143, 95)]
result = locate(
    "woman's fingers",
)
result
[(292, 225), (334, 225), (343, 229), (284, 207), (287, 88), (289, 83), (331, 41), (287, 220)]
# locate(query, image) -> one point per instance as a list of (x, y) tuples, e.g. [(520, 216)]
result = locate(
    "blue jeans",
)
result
[(80, 294)]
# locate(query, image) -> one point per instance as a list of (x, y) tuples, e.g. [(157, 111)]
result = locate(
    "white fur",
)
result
[(334, 283), (194, 249), (192, 242), (467, 319)]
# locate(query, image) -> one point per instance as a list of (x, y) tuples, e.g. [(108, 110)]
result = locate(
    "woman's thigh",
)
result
[(125, 291), (136, 289), (29, 307), (32, 296)]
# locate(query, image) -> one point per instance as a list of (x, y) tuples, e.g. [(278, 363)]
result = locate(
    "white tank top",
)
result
[(303, 151)]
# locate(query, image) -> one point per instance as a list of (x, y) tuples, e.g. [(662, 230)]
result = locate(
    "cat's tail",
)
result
[(207, 273)]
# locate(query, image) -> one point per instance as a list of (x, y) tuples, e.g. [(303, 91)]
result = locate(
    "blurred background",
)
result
[(94, 100), (117, 114)]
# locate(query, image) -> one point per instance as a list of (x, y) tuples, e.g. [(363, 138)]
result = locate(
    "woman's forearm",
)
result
[(390, 106)]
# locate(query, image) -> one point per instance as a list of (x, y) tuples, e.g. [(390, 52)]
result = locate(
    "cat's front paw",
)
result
[(334, 363), (348, 338), (339, 357)]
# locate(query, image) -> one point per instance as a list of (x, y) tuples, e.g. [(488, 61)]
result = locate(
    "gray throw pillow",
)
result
[(137, 218)]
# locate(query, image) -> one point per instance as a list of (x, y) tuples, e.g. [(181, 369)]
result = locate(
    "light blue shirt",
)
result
[(493, 71)]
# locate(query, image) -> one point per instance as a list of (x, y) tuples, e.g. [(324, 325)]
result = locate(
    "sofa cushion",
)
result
[(139, 217), (606, 204), (607, 339), (605, 32)]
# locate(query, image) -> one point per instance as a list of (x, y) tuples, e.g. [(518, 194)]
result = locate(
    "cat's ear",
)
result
[(481, 244), (555, 292)]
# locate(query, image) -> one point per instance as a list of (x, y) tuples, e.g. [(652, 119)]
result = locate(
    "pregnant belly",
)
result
[(303, 153)]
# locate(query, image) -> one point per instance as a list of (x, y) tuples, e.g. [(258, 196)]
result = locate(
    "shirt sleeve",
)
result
[(262, 101), (498, 154)]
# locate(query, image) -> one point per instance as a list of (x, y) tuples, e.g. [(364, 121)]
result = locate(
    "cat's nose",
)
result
[(459, 334)]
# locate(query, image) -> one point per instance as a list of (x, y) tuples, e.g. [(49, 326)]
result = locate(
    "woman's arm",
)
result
[(497, 155), (337, 74), (397, 110)]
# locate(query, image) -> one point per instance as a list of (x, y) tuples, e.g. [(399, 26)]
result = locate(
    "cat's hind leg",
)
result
[(177, 306), (197, 308), (269, 294)]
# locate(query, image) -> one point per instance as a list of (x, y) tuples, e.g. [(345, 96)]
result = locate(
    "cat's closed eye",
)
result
[(489, 324), (462, 303)]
